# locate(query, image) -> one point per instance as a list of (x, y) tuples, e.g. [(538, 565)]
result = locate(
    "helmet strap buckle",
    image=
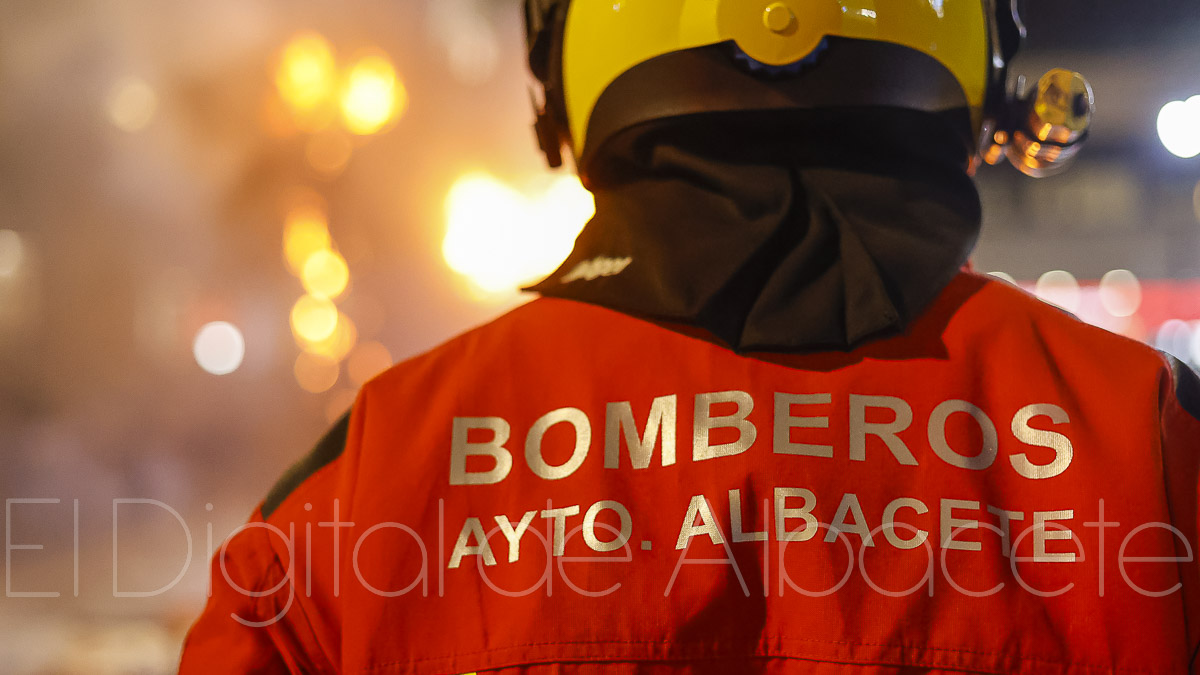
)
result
[(546, 127)]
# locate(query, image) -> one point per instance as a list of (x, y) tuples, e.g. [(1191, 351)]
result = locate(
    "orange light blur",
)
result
[(315, 373), (307, 71), (373, 96), (325, 274), (307, 79), (338, 344), (304, 234), (500, 239), (314, 319)]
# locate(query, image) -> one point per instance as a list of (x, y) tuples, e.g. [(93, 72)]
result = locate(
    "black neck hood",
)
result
[(794, 232)]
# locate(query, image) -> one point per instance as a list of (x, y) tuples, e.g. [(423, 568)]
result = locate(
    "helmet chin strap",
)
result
[(548, 128), (544, 22)]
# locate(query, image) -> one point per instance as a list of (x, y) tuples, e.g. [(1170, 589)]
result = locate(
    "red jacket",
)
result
[(1002, 489)]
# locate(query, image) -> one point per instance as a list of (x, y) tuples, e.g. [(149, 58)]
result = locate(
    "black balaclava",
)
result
[(789, 231)]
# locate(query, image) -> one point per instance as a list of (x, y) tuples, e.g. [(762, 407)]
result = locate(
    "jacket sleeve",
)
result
[(234, 633), (260, 613), (1181, 473)]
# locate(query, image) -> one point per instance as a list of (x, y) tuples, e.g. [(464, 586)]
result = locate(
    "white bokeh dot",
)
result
[(1179, 127), (1195, 351), (1175, 338), (219, 348), (1121, 293), (1060, 288)]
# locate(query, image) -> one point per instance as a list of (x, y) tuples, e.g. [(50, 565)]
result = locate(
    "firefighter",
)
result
[(762, 420)]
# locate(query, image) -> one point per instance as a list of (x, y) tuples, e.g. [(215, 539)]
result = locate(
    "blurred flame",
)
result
[(315, 373), (338, 344), (325, 274), (314, 319), (307, 77), (305, 233), (500, 239), (373, 96)]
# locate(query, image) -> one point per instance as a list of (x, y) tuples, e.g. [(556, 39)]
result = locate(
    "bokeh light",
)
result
[(1194, 352), (314, 319), (315, 373), (500, 239), (1121, 293), (367, 361), (1175, 338), (307, 74), (1003, 276), (328, 152), (373, 96), (325, 274), (12, 253), (219, 348), (1060, 288), (132, 104), (304, 234), (338, 344), (1179, 127)]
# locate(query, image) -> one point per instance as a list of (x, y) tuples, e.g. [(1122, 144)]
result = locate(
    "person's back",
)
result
[(761, 420), (984, 494)]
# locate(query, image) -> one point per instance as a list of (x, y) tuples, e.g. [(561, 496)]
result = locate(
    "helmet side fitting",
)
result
[(1039, 130)]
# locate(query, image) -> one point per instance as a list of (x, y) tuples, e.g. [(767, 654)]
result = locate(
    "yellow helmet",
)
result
[(607, 66)]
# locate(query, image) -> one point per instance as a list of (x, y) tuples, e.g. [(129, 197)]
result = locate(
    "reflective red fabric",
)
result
[(979, 495)]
